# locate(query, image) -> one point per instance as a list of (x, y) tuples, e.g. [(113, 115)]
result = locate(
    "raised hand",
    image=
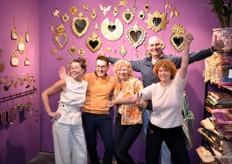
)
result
[(217, 44), (188, 38), (62, 73)]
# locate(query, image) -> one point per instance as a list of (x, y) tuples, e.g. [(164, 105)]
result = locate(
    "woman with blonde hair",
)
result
[(128, 118)]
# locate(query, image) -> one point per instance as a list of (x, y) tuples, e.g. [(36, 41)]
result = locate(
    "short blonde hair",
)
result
[(166, 64), (121, 63)]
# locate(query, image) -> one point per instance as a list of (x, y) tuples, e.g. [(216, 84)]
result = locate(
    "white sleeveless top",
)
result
[(71, 101)]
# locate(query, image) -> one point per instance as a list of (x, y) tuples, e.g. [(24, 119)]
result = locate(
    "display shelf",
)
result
[(227, 89)]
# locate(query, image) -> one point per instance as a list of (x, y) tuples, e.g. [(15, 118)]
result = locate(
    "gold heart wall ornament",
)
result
[(73, 10), (147, 7), (80, 25), (128, 16), (112, 31), (93, 42), (177, 37), (65, 18), (60, 37), (81, 52), (141, 15), (135, 35), (157, 21), (72, 50)]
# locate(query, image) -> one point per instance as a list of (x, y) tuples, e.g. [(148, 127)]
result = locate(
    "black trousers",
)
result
[(124, 137), (174, 138)]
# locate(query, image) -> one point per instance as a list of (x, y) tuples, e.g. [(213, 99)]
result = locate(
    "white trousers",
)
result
[(69, 144)]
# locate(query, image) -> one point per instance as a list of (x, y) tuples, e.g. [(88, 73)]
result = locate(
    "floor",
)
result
[(42, 158), (46, 158)]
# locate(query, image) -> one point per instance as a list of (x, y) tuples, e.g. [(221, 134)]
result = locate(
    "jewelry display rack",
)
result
[(18, 95)]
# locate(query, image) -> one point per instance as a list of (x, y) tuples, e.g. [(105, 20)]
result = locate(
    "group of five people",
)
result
[(157, 98)]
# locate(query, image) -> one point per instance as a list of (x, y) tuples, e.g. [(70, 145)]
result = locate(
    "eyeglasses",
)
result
[(101, 66)]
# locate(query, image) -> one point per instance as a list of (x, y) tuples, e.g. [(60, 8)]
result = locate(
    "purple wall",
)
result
[(193, 17), (17, 140), (20, 141)]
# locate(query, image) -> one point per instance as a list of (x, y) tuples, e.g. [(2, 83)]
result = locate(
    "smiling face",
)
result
[(165, 70), (123, 73), (101, 68), (164, 74), (154, 47), (76, 71), (122, 70)]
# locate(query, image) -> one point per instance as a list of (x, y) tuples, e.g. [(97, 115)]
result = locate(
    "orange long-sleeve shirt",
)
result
[(98, 93)]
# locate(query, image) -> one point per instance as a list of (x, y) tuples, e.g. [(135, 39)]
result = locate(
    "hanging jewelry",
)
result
[(14, 33), (141, 15), (122, 49), (147, 6), (26, 61), (81, 52), (93, 14), (115, 12), (135, 6), (14, 61), (65, 18), (27, 35), (72, 50), (21, 45), (52, 26)]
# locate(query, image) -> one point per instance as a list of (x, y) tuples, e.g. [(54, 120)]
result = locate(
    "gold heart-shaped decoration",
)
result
[(72, 50), (81, 52), (60, 37), (177, 42), (65, 18), (93, 42), (157, 21), (128, 16), (80, 25), (177, 37), (141, 15), (135, 35), (60, 40), (135, 7), (147, 7)]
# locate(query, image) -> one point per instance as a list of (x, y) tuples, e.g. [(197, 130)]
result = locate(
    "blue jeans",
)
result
[(165, 153), (124, 137), (102, 124), (174, 139)]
